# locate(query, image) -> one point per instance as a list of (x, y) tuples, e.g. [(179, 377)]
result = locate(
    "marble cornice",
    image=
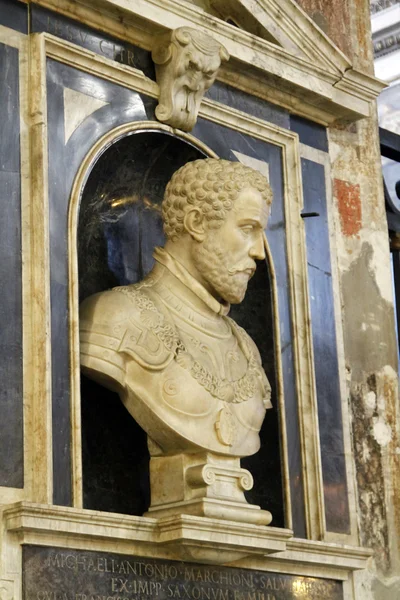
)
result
[(387, 41), (334, 554), (380, 5), (317, 79), (186, 536)]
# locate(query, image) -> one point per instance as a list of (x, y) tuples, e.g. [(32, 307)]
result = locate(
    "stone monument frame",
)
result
[(101, 146), (43, 46), (38, 520), (289, 143)]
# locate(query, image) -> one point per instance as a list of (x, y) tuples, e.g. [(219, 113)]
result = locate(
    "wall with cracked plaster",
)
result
[(365, 288)]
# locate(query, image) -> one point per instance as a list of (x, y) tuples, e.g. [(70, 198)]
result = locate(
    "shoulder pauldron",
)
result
[(150, 337)]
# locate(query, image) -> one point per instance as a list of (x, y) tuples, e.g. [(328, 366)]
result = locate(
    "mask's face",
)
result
[(226, 258), (194, 73)]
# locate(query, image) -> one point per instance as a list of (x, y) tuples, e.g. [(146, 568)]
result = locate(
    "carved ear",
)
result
[(183, 36), (224, 54), (162, 53), (194, 224)]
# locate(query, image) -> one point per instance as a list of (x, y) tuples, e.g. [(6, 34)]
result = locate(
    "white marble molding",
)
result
[(301, 69)]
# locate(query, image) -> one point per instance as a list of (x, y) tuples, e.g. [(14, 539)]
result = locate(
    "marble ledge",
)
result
[(352, 558), (185, 536), (189, 537)]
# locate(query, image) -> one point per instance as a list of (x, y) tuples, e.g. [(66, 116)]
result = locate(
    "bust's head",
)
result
[(215, 212)]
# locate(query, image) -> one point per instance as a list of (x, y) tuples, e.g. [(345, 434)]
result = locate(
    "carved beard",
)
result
[(214, 265), (185, 103)]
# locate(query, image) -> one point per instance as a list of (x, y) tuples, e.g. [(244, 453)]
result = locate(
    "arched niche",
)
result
[(118, 226), (257, 315)]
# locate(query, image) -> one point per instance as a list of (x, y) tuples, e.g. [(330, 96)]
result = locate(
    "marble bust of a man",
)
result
[(188, 374)]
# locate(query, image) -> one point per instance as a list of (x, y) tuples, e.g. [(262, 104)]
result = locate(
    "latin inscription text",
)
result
[(86, 575), (75, 35)]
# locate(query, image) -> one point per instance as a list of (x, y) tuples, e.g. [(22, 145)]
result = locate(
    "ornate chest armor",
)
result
[(177, 363)]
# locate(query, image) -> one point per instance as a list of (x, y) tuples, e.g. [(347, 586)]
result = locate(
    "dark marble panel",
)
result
[(14, 14), (317, 231), (234, 98), (64, 160), (62, 479), (310, 133), (123, 106), (73, 31), (267, 462), (325, 350), (119, 226), (9, 103), (276, 236), (80, 574), (11, 400), (115, 457), (62, 475), (255, 315)]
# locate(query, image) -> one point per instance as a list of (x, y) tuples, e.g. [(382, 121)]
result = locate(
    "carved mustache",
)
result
[(242, 269), (193, 87)]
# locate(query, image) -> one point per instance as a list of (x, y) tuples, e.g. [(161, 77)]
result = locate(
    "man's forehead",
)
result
[(250, 203)]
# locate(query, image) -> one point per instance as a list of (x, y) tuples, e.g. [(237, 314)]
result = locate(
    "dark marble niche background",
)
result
[(11, 371), (119, 225), (120, 212), (255, 314)]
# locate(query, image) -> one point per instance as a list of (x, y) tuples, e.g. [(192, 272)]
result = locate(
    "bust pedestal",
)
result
[(202, 484)]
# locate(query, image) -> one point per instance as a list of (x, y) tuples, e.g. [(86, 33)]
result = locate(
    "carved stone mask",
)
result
[(187, 62)]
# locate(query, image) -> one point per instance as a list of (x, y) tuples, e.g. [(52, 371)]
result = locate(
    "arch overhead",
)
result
[(93, 156)]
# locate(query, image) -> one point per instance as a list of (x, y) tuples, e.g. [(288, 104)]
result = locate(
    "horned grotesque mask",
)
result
[(187, 63)]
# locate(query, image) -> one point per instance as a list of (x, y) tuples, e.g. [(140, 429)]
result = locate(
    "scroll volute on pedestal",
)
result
[(187, 63)]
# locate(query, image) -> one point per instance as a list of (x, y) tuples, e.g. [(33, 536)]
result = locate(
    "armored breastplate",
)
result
[(190, 378)]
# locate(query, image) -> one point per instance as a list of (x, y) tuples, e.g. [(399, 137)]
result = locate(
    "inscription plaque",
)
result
[(64, 574)]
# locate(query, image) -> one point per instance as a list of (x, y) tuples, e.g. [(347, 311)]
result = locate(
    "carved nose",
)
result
[(257, 251), (196, 78)]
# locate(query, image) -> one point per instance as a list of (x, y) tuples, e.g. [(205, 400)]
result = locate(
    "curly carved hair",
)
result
[(212, 185)]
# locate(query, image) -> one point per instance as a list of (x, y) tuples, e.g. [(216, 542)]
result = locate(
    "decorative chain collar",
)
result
[(236, 391)]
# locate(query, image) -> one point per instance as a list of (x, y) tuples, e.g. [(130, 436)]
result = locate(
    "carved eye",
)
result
[(193, 66), (247, 229)]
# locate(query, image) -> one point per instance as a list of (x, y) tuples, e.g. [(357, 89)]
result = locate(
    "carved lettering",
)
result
[(49, 595), (241, 579), (197, 592), (256, 595), (130, 58), (124, 585), (82, 36), (55, 574), (273, 583), (98, 597), (70, 35), (77, 36), (102, 46), (53, 26)]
